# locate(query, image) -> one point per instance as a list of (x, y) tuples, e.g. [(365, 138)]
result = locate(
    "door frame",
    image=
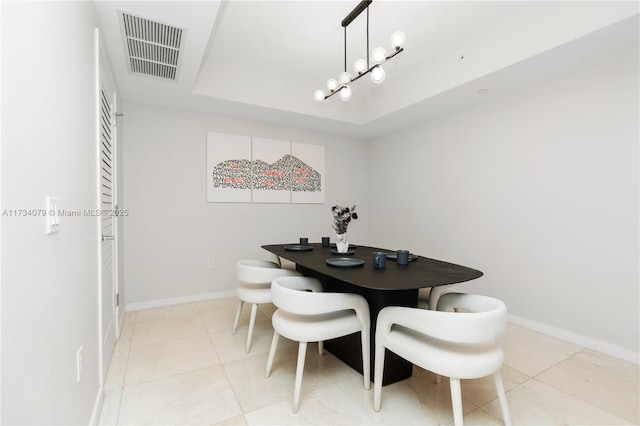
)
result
[(103, 72)]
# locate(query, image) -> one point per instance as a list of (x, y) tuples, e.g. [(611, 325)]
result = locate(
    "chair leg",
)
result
[(502, 397), (456, 401), (378, 373), (320, 347), (252, 323), (302, 353), (237, 320), (272, 353), (366, 358)]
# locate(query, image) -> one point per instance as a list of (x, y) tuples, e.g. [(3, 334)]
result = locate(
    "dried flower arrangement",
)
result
[(341, 218)]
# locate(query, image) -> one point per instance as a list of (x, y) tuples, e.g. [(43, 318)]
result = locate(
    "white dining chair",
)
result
[(428, 297), (282, 262), (305, 314), (458, 345), (255, 278)]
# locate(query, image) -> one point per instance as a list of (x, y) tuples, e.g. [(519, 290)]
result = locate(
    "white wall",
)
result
[(538, 189), (171, 230), (49, 283)]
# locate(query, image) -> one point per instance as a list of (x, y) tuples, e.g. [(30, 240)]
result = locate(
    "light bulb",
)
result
[(332, 84), (379, 55), (318, 95), (345, 93), (397, 39), (344, 78), (377, 74), (360, 65)]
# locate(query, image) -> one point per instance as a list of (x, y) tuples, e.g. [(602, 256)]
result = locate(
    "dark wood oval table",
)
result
[(395, 285)]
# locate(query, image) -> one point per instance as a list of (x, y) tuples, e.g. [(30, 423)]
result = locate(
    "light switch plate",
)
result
[(53, 220)]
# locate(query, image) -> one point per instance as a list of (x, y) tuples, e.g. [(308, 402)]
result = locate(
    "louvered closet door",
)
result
[(107, 227)]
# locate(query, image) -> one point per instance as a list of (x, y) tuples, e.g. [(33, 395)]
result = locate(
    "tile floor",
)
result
[(181, 365)]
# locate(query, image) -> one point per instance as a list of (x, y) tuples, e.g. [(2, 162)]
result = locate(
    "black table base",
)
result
[(348, 348)]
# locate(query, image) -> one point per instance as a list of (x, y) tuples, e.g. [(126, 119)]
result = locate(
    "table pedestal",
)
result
[(348, 348)]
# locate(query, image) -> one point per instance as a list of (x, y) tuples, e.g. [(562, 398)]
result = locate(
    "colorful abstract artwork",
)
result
[(245, 169)]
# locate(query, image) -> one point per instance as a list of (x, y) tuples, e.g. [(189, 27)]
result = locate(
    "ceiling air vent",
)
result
[(152, 48)]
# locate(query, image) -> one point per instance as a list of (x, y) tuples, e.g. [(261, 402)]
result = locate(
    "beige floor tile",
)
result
[(602, 385), (123, 344), (215, 304), (328, 405), (436, 396), (199, 397), (417, 400), (614, 364), (234, 421), (402, 403), (114, 381), (182, 365), (164, 359), (532, 353), (166, 312), (267, 309), (161, 330), (232, 347), (125, 334), (481, 417), (319, 370), (110, 409), (481, 391), (222, 319), (131, 317), (254, 391), (536, 403)]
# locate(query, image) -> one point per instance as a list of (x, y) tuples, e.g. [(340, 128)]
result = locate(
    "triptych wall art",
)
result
[(244, 169)]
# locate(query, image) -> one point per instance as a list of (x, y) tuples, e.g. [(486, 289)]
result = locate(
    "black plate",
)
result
[(298, 247), (394, 256), (348, 253), (345, 262), (351, 246)]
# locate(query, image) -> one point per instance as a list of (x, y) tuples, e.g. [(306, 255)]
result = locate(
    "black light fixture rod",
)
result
[(398, 50), (355, 12), (334, 92), (367, 37), (345, 49)]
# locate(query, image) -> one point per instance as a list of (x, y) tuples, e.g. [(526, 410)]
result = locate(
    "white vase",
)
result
[(342, 245)]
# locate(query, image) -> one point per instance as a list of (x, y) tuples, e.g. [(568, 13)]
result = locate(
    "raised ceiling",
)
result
[(262, 60)]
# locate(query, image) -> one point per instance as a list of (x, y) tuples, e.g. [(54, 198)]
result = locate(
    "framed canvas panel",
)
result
[(271, 178), (307, 182), (228, 168)]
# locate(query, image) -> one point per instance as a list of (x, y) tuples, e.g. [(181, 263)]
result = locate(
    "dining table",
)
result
[(393, 285)]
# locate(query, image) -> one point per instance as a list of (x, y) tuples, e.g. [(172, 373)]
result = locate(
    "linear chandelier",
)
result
[(379, 56)]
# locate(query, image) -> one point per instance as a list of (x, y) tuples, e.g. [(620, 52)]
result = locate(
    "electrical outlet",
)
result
[(210, 263), (79, 364)]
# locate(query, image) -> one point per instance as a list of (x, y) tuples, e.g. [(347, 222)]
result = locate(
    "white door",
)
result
[(107, 211)]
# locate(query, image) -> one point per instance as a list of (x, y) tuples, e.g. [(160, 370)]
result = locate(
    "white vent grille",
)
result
[(153, 48)]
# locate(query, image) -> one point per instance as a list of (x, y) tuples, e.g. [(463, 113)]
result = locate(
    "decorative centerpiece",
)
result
[(341, 218)]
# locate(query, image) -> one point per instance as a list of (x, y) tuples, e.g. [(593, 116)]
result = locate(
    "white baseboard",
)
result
[(97, 407), (137, 306), (577, 339)]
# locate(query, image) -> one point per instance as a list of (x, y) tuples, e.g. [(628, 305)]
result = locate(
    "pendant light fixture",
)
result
[(362, 67)]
